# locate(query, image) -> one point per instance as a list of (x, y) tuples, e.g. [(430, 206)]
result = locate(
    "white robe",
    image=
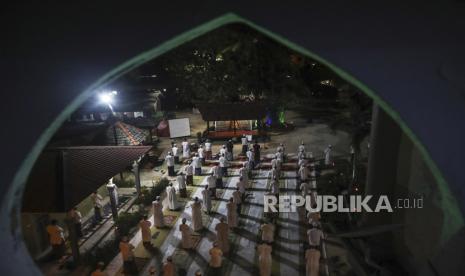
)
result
[(222, 234), (144, 226), (158, 214), (206, 200), (181, 182), (274, 187), (186, 233), (268, 232), (328, 156), (185, 149), (232, 214), (196, 216), (242, 186), (264, 259), (172, 199)]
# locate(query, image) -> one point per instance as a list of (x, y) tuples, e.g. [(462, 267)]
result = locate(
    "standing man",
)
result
[(211, 183), (56, 238), (274, 186), (196, 215), (97, 200), (230, 150), (158, 219), (250, 157), (303, 173), (170, 163), (217, 174), (305, 188), (244, 173), (237, 199), (222, 235), (99, 270), (197, 164), (223, 165), (127, 252), (301, 148), (189, 170), (76, 218), (168, 267), (172, 199), (312, 254), (144, 226), (182, 185), (245, 144), (216, 259), (267, 232), (201, 152), (206, 200), (186, 233), (176, 152), (232, 213), (328, 155), (256, 151), (264, 259), (186, 151), (208, 150)]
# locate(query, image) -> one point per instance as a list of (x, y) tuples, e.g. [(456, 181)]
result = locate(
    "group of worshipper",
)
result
[(306, 176)]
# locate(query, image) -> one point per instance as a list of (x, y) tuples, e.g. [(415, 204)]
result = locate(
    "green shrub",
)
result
[(148, 195), (125, 183), (126, 221), (103, 253)]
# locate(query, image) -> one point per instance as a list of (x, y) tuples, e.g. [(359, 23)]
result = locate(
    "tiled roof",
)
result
[(126, 135), (62, 177)]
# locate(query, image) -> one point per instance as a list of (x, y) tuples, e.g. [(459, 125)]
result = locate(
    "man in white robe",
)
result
[(250, 157), (170, 163), (176, 153), (144, 226), (196, 215), (189, 170), (201, 153), (211, 182), (305, 188), (328, 155), (217, 173), (186, 233), (264, 259), (206, 200), (222, 235), (186, 151), (237, 199), (232, 213), (208, 150), (301, 148), (267, 232), (312, 254), (158, 220), (245, 144), (274, 186), (223, 165), (303, 173), (172, 198), (181, 180), (197, 163)]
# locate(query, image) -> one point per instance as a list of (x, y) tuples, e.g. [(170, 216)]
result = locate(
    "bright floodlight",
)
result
[(106, 98)]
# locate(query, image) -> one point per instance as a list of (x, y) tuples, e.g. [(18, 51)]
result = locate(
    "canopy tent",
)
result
[(62, 177), (232, 119)]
